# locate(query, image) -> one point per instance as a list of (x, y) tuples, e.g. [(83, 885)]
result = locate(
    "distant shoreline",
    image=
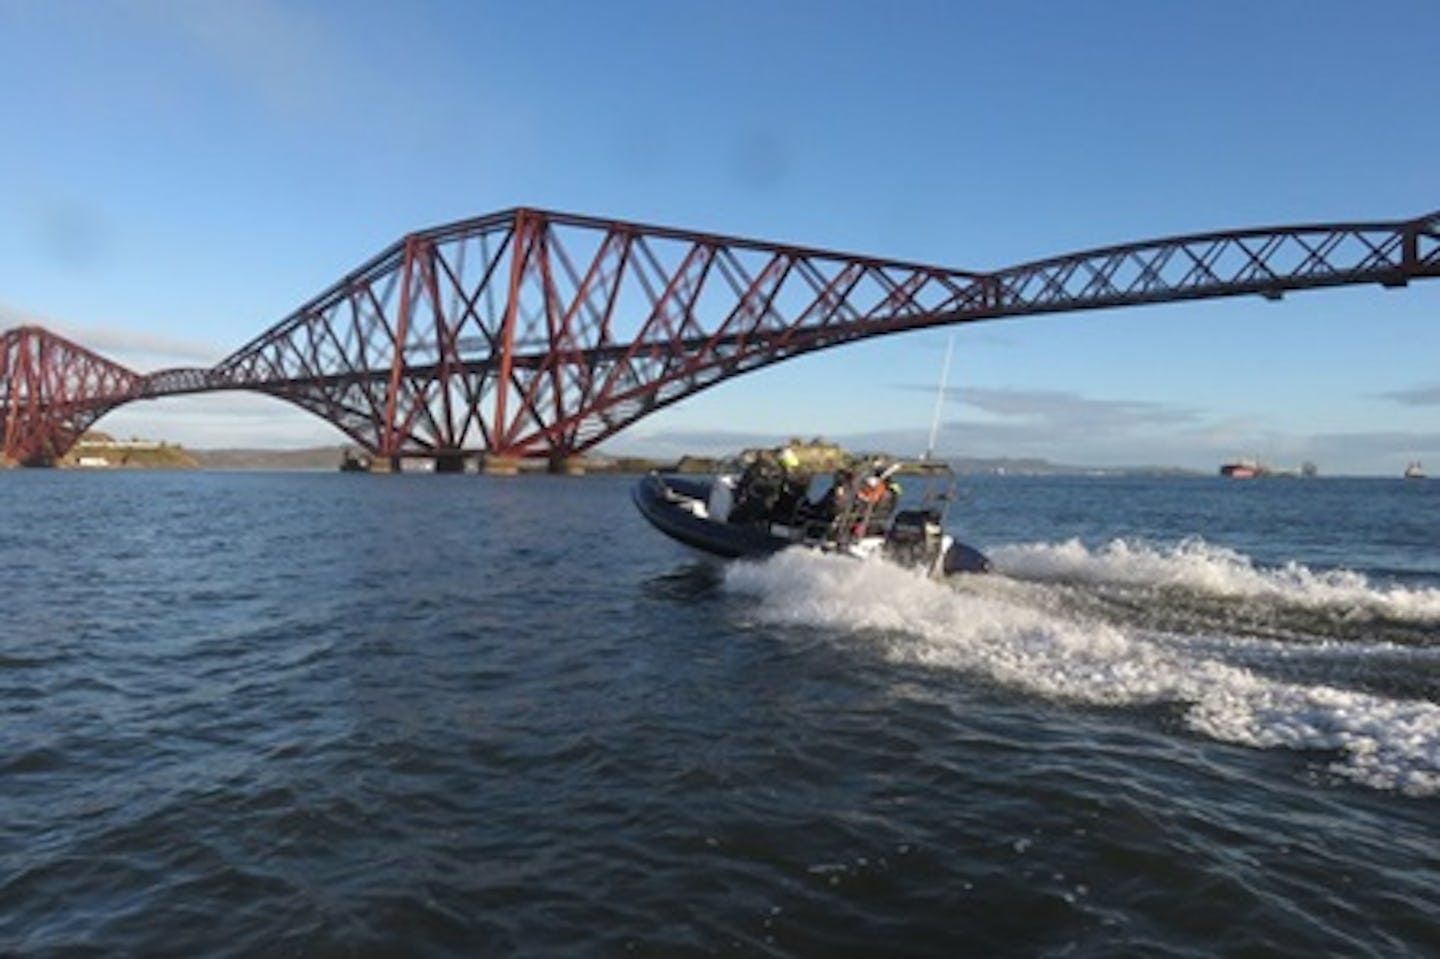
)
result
[(98, 450), (161, 456)]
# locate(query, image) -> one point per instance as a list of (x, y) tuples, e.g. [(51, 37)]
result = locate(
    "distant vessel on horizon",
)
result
[(1243, 469), (1415, 471), (1251, 468)]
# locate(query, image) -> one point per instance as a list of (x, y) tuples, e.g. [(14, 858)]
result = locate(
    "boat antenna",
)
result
[(939, 399)]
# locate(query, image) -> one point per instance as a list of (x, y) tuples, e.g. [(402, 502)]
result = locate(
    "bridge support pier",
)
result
[(385, 464), (496, 464), (568, 465), (450, 463)]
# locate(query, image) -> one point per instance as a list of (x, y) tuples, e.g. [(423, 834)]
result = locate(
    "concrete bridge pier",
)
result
[(498, 464)]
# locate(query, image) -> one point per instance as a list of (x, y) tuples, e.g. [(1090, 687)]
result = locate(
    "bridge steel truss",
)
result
[(538, 335), (52, 390)]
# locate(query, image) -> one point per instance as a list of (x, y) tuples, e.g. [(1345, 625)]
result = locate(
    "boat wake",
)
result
[(1287, 657), (1202, 570)]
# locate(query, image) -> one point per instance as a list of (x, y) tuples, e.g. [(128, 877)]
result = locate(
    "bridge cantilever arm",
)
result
[(1422, 245), (546, 339), (1268, 261)]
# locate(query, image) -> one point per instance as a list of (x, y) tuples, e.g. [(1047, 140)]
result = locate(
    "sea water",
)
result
[(337, 715)]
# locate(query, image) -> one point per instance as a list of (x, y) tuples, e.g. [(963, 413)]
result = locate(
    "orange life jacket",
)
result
[(871, 493)]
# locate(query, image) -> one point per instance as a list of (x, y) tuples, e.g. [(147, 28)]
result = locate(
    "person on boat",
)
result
[(790, 502), (875, 500), (766, 491), (836, 498), (756, 491), (871, 492), (826, 516)]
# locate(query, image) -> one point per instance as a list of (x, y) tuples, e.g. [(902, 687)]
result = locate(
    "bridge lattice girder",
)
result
[(529, 333), (52, 390)]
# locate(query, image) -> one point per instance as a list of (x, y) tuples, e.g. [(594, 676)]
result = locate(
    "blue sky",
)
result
[(181, 175)]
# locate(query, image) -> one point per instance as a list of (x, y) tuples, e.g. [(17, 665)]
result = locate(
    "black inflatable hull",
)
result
[(965, 559), (653, 498), (664, 503)]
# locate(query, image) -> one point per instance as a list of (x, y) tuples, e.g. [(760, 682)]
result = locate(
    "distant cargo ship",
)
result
[(1242, 469), (1415, 471)]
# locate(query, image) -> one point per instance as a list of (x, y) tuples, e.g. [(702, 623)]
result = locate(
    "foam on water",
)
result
[(1011, 633), (1201, 567)]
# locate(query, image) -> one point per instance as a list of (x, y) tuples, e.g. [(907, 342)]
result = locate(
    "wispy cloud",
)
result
[(282, 54), (139, 349), (1202, 449), (11, 317), (1416, 396), (1061, 426), (1396, 445), (149, 349), (306, 68), (1067, 427), (72, 234), (1058, 409)]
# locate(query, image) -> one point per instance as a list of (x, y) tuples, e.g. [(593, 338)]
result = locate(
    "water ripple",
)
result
[(290, 715)]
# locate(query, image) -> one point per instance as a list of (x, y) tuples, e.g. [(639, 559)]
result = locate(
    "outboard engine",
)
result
[(918, 539), (915, 538)]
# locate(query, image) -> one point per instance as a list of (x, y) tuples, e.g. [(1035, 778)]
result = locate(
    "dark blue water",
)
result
[(340, 715)]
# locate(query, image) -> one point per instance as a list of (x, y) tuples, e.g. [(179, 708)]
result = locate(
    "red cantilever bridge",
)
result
[(530, 334)]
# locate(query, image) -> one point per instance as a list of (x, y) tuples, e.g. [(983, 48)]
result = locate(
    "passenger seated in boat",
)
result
[(836, 498)]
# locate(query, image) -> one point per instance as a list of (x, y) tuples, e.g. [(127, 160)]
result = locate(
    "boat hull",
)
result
[(962, 558), (666, 504), (676, 507)]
